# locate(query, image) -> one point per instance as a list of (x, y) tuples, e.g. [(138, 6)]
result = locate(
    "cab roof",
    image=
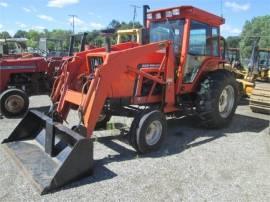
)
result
[(192, 13)]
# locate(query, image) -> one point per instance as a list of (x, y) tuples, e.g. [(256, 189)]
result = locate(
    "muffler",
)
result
[(51, 154)]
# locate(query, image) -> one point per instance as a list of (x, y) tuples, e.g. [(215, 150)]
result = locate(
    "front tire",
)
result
[(217, 99), (14, 103), (148, 131), (103, 119)]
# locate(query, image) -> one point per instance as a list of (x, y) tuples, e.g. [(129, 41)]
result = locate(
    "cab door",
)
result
[(203, 43)]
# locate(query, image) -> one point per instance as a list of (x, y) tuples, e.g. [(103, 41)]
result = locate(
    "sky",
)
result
[(97, 14)]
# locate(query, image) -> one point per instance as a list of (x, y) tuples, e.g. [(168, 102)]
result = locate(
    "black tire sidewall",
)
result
[(209, 112), (227, 82), (9, 93), (103, 123), (142, 127)]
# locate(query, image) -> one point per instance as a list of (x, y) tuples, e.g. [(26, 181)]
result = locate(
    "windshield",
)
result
[(168, 30), (264, 59)]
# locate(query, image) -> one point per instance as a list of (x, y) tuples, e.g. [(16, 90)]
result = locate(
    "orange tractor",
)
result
[(178, 70)]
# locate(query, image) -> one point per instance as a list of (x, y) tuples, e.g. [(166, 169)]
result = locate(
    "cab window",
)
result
[(199, 43), (215, 41)]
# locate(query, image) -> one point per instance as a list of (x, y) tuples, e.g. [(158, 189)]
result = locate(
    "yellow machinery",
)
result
[(264, 65), (133, 33), (246, 87), (234, 65), (254, 81), (260, 97)]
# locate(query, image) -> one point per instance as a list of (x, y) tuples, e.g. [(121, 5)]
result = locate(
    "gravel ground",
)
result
[(193, 165)]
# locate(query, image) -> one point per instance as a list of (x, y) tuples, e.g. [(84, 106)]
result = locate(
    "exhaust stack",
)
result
[(145, 9), (145, 32), (107, 33)]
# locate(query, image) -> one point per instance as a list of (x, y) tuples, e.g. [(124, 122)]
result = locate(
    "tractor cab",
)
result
[(233, 55), (264, 64), (12, 46), (233, 58), (193, 32), (264, 58)]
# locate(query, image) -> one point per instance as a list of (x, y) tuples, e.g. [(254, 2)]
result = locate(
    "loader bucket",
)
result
[(51, 154)]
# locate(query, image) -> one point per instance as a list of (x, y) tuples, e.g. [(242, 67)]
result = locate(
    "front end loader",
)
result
[(179, 72)]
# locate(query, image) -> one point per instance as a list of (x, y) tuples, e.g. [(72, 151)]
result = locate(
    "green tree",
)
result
[(33, 38), (59, 34), (4, 35), (114, 24), (94, 37), (257, 27), (20, 34), (233, 41)]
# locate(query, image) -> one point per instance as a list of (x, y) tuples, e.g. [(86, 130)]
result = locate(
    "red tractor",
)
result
[(25, 76), (12, 47), (178, 70)]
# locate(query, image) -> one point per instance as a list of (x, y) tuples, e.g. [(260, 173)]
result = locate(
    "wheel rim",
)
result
[(153, 133), (14, 104), (226, 101)]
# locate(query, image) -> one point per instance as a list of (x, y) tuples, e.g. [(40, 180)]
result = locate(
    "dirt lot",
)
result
[(194, 164)]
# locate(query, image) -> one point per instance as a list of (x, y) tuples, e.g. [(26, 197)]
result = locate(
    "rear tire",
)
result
[(217, 99), (148, 131), (14, 103)]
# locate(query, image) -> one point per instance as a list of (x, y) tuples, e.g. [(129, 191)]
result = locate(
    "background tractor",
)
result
[(233, 56), (259, 73), (28, 75), (178, 71), (12, 48), (125, 35), (254, 79)]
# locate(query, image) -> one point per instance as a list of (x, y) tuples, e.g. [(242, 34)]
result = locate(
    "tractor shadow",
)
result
[(243, 101), (183, 134), (42, 109)]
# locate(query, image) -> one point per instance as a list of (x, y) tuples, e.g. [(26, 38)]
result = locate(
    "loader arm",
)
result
[(76, 66), (115, 79)]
